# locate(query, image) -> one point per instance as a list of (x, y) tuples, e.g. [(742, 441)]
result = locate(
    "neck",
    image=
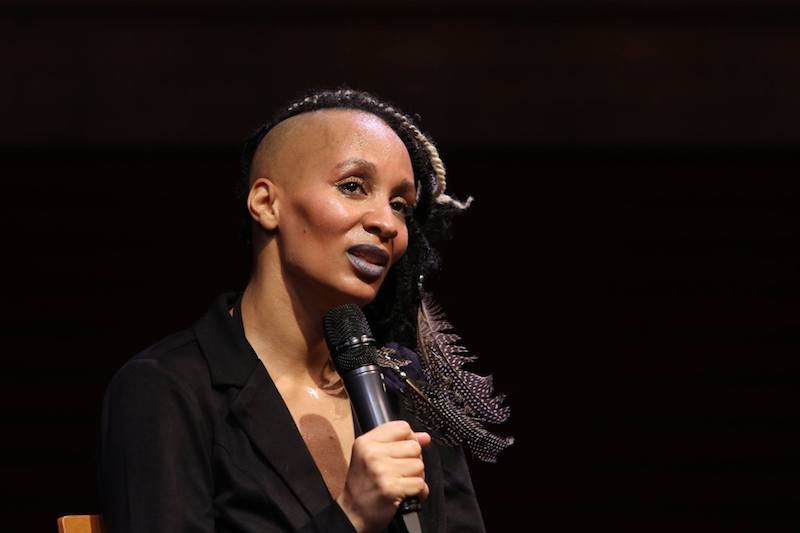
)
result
[(284, 330)]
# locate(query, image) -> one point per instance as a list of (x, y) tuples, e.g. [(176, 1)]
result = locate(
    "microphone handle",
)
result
[(367, 392)]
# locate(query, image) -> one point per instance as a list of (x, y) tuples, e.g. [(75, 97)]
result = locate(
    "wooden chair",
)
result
[(80, 523)]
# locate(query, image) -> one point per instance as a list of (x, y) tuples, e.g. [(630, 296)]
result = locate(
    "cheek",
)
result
[(320, 218), (400, 245)]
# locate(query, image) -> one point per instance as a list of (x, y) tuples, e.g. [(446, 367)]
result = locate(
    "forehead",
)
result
[(316, 142)]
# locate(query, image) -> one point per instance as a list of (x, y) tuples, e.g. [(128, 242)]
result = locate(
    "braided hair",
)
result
[(392, 314)]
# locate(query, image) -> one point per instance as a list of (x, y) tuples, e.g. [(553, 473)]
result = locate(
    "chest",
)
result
[(325, 421)]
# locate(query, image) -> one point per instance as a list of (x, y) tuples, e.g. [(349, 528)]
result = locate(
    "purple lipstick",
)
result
[(370, 261)]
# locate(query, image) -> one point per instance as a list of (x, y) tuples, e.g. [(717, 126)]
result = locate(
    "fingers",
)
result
[(392, 431), (398, 430), (411, 487), (409, 467), (402, 449), (423, 494)]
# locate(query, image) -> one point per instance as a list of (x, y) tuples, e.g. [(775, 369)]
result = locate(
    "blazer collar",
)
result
[(231, 359), (259, 407)]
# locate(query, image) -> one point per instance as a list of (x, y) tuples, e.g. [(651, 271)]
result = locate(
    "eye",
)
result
[(351, 186), (403, 208)]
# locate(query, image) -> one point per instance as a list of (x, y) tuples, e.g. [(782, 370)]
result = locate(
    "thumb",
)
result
[(423, 438)]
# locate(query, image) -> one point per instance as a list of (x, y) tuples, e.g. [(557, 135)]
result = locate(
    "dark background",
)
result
[(629, 271)]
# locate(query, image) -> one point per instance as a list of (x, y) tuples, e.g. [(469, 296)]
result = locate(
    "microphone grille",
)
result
[(346, 330)]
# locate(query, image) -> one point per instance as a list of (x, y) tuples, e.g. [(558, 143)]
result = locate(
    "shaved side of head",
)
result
[(277, 149), (285, 149)]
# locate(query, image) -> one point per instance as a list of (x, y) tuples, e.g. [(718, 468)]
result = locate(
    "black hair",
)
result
[(393, 312)]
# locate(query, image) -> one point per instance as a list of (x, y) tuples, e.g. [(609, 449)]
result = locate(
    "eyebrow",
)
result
[(356, 161), (402, 188)]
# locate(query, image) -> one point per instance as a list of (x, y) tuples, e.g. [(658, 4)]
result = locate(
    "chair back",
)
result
[(80, 523)]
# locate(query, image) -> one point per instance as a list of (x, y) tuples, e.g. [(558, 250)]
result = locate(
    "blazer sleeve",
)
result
[(463, 514), (155, 454)]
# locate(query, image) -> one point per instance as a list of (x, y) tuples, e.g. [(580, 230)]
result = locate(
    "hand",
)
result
[(385, 468)]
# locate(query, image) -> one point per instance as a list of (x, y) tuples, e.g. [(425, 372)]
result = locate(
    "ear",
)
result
[(262, 202)]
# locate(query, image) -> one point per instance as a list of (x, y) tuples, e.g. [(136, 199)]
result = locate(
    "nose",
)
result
[(382, 221)]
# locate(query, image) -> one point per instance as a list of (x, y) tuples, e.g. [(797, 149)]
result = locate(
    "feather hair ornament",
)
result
[(450, 401)]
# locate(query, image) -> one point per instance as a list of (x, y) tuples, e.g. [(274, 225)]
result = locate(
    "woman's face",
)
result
[(347, 185)]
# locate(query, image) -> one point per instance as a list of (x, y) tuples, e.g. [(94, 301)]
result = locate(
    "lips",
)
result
[(369, 253), (368, 261)]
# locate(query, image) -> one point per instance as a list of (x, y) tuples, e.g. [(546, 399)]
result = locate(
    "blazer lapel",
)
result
[(263, 415), (259, 407)]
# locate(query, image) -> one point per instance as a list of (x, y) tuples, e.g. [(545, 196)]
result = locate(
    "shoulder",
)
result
[(175, 362)]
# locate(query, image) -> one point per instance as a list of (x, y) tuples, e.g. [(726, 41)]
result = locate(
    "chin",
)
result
[(363, 299), (362, 293)]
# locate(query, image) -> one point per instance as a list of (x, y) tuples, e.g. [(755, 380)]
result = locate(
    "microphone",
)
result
[(353, 351)]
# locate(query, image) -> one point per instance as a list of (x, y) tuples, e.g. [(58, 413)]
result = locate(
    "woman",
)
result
[(241, 423)]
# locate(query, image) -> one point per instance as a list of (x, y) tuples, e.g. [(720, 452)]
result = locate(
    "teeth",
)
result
[(366, 259)]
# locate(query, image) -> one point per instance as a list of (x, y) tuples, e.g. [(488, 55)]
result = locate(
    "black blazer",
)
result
[(195, 437)]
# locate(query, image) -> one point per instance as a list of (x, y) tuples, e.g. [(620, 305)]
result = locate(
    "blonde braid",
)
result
[(440, 176)]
